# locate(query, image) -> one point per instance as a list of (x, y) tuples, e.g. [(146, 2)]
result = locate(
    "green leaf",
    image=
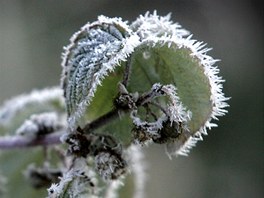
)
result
[(94, 52)]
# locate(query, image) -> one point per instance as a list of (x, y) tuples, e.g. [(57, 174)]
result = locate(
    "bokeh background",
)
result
[(229, 162)]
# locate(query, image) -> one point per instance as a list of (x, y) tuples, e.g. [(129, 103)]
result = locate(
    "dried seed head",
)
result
[(110, 165)]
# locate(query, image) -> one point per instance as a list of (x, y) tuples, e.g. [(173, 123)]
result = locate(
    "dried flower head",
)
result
[(110, 165)]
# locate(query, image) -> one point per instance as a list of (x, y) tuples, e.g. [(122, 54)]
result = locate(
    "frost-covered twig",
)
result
[(18, 141)]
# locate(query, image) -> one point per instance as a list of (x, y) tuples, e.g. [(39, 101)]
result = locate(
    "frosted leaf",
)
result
[(20, 107), (95, 51), (168, 55), (79, 181)]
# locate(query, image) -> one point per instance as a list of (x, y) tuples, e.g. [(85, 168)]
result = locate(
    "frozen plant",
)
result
[(123, 87)]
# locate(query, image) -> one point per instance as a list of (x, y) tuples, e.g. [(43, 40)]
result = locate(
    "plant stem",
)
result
[(101, 121), (18, 141), (127, 72)]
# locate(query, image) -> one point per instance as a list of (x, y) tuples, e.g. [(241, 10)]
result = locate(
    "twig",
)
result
[(111, 115), (12, 142), (127, 72), (18, 141)]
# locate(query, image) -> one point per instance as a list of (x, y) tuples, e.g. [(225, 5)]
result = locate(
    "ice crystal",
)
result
[(153, 25), (169, 126), (176, 111)]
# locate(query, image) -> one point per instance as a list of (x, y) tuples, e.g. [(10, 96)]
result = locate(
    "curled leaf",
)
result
[(169, 57), (79, 181), (14, 111)]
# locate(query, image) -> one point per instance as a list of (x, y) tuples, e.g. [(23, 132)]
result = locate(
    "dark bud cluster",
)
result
[(106, 151)]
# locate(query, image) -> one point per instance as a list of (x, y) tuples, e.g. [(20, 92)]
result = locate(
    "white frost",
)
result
[(43, 97)]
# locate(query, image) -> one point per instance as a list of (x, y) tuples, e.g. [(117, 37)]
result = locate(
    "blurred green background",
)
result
[(229, 162)]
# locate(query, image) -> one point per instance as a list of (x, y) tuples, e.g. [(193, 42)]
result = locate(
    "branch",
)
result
[(108, 117), (18, 141)]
